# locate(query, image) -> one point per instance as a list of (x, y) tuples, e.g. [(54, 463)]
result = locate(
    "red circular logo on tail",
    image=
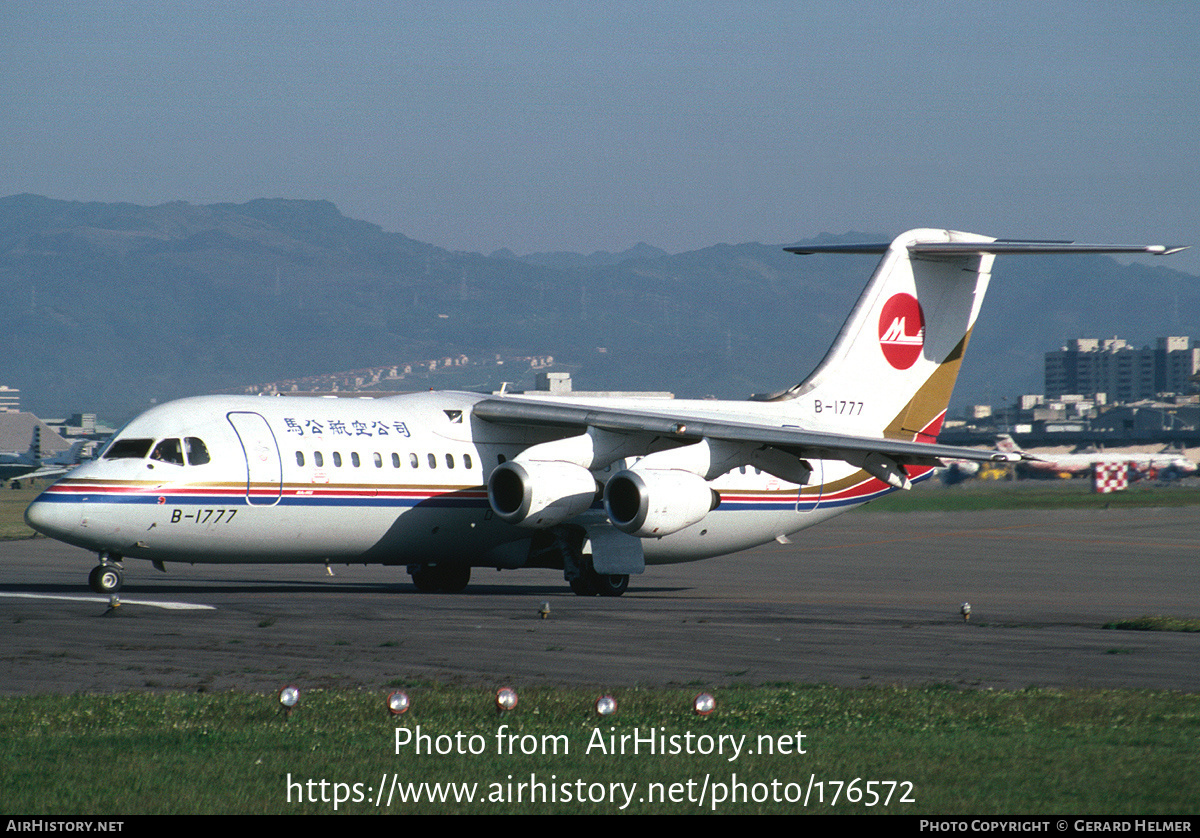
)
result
[(902, 330)]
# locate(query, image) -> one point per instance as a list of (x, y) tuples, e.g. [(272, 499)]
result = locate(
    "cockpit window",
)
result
[(128, 449), (168, 451), (173, 451), (197, 451)]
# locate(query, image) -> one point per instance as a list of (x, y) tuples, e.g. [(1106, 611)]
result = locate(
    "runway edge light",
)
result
[(398, 703), (606, 705), (506, 699), (289, 697), (704, 704)]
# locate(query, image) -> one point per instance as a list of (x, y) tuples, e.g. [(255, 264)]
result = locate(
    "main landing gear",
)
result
[(565, 547), (440, 578), (585, 581), (106, 577)]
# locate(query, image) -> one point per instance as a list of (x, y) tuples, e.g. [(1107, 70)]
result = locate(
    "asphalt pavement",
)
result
[(866, 599)]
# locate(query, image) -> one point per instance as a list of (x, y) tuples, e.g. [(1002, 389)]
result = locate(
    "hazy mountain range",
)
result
[(106, 307)]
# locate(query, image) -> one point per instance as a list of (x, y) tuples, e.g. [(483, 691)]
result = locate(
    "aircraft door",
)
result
[(819, 472), (264, 470)]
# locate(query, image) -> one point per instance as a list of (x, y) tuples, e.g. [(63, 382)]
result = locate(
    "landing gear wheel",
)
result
[(455, 578), (105, 579), (446, 578), (582, 585), (611, 584), (590, 583), (425, 580)]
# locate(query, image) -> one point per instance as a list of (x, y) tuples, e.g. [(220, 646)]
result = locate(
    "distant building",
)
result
[(559, 384), (10, 400), (1090, 366), (1150, 416)]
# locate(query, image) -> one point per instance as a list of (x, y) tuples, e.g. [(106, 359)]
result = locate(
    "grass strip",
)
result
[(1030, 494), (1155, 623), (12, 511), (951, 751)]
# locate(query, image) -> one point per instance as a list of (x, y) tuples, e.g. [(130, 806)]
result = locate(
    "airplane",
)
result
[(443, 482), (957, 471), (1074, 464), (15, 463), (30, 464)]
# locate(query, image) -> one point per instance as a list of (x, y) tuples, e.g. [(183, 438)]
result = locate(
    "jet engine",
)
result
[(539, 493), (650, 503)]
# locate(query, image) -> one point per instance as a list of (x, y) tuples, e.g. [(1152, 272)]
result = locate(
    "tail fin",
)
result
[(892, 367), (1005, 443)]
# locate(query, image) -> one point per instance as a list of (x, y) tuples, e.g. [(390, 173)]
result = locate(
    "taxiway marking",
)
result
[(170, 606)]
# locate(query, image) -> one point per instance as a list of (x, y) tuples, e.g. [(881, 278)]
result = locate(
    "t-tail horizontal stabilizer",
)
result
[(1005, 247)]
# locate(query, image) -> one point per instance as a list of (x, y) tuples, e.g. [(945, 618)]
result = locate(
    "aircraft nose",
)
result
[(47, 518)]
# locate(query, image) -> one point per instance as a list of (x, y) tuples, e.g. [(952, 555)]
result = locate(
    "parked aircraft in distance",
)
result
[(15, 463), (442, 482), (1171, 462), (956, 471), (31, 464)]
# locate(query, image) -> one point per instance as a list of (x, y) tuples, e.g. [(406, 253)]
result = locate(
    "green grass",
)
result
[(1155, 623), (964, 752), (1031, 494), (12, 511)]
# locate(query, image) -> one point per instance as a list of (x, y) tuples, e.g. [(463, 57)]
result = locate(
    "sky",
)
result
[(582, 126)]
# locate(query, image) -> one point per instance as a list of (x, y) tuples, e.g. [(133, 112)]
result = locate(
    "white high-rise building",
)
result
[(1125, 373), (10, 400)]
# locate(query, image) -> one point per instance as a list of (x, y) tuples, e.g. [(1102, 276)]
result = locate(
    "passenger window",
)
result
[(466, 460), (318, 459), (395, 460), (168, 451), (354, 461), (432, 461), (378, 460), (449, 461), (128, 449), (412, 459), (300, 458), (337, 459), (197, 451)]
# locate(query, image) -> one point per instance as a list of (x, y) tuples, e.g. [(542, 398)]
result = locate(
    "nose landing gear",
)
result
[(106, 577)]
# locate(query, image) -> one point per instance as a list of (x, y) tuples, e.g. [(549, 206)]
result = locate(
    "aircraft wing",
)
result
[(50, 471), (686, 429)]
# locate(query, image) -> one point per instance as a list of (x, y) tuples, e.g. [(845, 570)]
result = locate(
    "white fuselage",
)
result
[(398, 480), (1078, 463)]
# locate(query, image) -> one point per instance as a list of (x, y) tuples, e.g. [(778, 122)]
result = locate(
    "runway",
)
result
[(867, 599)]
